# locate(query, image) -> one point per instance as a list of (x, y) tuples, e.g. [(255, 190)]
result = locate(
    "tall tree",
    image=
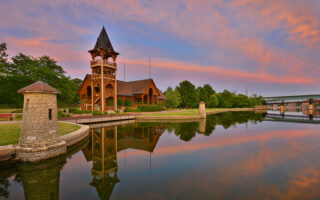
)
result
[(188, 94), (205, 93), (213, 101), (173, 99), (25, 70), (225, 99), (3, 57)]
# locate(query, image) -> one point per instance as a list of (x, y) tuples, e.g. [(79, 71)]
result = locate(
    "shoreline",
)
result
[(8, 152)]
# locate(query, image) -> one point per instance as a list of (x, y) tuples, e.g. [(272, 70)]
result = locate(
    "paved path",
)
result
[(10, 122)]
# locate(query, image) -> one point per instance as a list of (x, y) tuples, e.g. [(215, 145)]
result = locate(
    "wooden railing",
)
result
[(101, 62)]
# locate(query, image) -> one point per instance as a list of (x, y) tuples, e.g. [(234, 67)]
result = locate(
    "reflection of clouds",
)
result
[(272, 171), (226, 141), (267, 165)]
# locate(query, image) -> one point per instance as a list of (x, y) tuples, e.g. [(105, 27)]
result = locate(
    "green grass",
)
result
[(8, 110), (188, 112), (65, 128), (10, 133)]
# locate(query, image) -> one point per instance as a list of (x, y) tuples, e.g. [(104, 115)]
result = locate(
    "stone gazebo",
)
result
[(39, 137)]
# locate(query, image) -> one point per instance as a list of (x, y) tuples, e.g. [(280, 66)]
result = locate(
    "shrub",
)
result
[(18, 117), (111, 103), (118, 111), (128, 109), (120, 102), (128, 102), (150, 108), (76, 111), (17, 111), (96, 112), (61, 114)]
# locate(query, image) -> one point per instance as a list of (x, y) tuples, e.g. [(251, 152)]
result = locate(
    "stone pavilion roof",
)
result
[(39, 87)]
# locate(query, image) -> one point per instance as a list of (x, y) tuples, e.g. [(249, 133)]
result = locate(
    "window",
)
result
[(50, 114)]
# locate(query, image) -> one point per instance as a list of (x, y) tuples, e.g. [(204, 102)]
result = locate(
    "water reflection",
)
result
[(101, 149)]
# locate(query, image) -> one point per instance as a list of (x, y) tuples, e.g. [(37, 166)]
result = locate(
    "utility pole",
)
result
[(149, 68), (124, 71)]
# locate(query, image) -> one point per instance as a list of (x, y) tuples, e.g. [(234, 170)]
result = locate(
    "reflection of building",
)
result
[(140, 138), (41, 180), (103, 148), (101, 90)]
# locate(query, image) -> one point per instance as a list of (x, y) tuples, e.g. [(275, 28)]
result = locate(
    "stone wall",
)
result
[(37, 129)]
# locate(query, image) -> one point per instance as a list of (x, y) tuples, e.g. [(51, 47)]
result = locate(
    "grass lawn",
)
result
[(10, 133), (8, 110), (187, 112)]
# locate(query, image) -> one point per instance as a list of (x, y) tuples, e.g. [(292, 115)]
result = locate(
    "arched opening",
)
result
[(89, 92), (109, 102), (145, 99), (97, 88), (150, 95), (109, 88)]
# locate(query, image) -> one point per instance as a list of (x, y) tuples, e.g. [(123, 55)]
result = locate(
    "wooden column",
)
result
[(102, 98), (115, 85), (92, 91)]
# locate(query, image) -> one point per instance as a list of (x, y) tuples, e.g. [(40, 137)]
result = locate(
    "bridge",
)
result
[(308, 103), (292, 99)]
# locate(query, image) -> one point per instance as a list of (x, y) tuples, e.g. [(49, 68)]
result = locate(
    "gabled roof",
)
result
[(103, 42), (129, 88), (39, 87), (88, 76)]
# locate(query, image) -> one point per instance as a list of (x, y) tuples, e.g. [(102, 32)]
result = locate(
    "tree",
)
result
[(25, 70), (172, 98), (241, 101), (225, 99), (3, 57), (213, 101), (188, 94), (205, 93)]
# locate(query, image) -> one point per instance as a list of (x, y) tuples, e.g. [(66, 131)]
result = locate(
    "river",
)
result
[(234, 155)]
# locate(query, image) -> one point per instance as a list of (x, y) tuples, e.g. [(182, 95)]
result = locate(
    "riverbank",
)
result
[(10, 134), (186, 114)]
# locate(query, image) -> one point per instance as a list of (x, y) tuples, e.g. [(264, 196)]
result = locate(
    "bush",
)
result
[(120, 102), (96, 113), (76, 111), (128, 102), (61, 114), (17, 111), (128, 109), (18, 117), (150, 108), (118, 111)]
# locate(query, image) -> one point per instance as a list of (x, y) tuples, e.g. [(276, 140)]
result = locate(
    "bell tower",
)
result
[(104, 74)]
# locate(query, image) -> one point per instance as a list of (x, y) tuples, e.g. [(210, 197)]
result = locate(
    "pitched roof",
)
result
[(129, 88), (132, 87), (104, 42), (37, 87)]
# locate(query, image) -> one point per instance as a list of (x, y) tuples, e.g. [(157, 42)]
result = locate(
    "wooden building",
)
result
[(101, 90)]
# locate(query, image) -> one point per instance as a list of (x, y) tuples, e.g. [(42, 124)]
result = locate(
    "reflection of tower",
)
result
[(104, 160), (41, 180)]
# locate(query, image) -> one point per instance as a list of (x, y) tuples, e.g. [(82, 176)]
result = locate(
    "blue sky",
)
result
[(270, 47)]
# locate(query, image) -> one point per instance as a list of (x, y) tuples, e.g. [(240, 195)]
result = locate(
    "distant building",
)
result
[(101, 90)]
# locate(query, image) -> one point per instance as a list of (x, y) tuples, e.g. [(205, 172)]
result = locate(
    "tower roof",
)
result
[(103, 42), (39, 87)]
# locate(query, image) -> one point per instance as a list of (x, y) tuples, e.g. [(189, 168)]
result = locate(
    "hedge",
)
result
[(150, 108)]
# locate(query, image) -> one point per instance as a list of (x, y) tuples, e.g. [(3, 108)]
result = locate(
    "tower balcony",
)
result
[(105, 63)]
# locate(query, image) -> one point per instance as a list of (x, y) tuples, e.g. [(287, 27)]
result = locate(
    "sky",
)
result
[(269, 47)]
